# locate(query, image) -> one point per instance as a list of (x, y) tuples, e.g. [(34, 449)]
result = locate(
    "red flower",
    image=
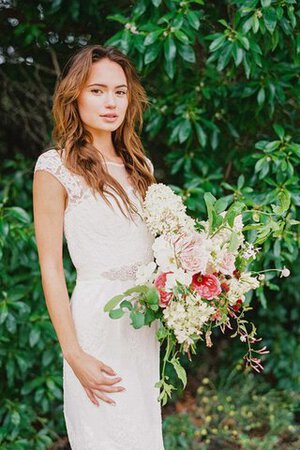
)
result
[(208, 286), (237, 274), (237, 305), (225, 287), (160, 283)]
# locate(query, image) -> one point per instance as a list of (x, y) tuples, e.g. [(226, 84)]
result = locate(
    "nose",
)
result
[(110, 100)]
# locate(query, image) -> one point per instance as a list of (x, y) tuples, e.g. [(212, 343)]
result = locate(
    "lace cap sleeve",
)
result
[(51, 162)]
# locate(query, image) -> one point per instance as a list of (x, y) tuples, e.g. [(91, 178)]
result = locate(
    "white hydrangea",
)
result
[(164, 211), (187, 317), (238, 224)]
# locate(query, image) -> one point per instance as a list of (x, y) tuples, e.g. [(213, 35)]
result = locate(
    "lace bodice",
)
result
[(100, 239)]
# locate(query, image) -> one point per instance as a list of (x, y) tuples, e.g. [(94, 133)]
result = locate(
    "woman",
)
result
[(90, 188)]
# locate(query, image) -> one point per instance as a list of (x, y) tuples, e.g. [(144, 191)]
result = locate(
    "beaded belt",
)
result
[(125, 272)]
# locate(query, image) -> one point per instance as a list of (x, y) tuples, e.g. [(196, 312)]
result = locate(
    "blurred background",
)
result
[(223, 83)]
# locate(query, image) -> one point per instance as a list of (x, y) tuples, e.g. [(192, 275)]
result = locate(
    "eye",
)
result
[(95, 91), (121, 92)]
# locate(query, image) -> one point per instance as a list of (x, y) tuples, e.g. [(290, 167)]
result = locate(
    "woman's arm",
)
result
[(49, 198), (49, 201)]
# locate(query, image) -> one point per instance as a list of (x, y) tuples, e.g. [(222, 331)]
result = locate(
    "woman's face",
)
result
[(105, 92)]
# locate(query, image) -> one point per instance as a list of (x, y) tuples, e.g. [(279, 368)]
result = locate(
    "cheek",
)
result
[(124, 105), (87, 106)]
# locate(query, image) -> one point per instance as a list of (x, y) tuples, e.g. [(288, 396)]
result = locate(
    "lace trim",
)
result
[(75, 186)]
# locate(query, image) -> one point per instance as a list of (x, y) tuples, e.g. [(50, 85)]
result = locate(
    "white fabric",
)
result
[(106, 249)]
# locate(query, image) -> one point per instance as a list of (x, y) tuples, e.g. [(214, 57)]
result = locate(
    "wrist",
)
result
[(72, 354)]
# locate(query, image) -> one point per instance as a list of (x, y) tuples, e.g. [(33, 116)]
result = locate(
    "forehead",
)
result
[(106, 72)]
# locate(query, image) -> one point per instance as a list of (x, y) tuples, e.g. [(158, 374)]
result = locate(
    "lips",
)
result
[(109, 115)]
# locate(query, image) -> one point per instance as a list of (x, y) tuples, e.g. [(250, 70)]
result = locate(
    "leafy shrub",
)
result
[(238, 413)]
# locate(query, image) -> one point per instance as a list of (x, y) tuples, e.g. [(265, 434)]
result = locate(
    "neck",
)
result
[(102, 140)]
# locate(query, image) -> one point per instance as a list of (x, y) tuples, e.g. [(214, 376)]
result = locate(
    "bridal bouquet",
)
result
[(198, 280)]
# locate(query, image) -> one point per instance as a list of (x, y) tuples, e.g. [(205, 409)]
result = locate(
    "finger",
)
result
[(105, 388), (91, 396), (107, 369), (107, 381), (104, 397)]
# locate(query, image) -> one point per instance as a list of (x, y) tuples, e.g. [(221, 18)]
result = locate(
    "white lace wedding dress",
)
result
[(106, 250)]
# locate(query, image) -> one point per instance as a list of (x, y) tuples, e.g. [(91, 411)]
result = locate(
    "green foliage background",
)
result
[(223, 84)]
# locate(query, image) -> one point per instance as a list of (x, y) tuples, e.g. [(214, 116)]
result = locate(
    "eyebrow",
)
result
[(104, 85)]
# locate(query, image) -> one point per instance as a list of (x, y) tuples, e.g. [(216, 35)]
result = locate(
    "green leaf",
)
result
[(169, 67), (152, 296), (270, 18), (221, 204), (234, 242), (261, 96), (185, 130), (116, 313), (240, 181), (201, 135), (187, 53), (170, 48), (279, 130), (3, 312), (210, 201), (238, 54), (182, 37), (193, 19), (217, 43), (284, 198), (137, 319), (150, 316), (224, 57), (126, 304), (152, 37), (34, 336), (180, 371), (18, 213), (234, 210), (152, 53), (244, 41), (113, 302), (138, 289), (161, 333)]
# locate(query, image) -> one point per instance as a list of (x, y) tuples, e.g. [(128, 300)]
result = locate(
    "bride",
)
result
[(89, 190)]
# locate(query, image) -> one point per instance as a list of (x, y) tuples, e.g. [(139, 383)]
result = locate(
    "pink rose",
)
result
[(226, 266), (207, 286), (160, 283), (191, 253)]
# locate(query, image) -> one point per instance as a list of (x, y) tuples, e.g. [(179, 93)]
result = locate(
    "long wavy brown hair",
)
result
[(70, 135)]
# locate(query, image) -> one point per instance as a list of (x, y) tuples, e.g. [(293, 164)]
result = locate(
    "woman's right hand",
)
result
[(90, 372)]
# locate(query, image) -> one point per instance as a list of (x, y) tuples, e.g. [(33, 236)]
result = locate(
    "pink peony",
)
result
[(160, 283), (226, 266), (191, 252), (208, 286)]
